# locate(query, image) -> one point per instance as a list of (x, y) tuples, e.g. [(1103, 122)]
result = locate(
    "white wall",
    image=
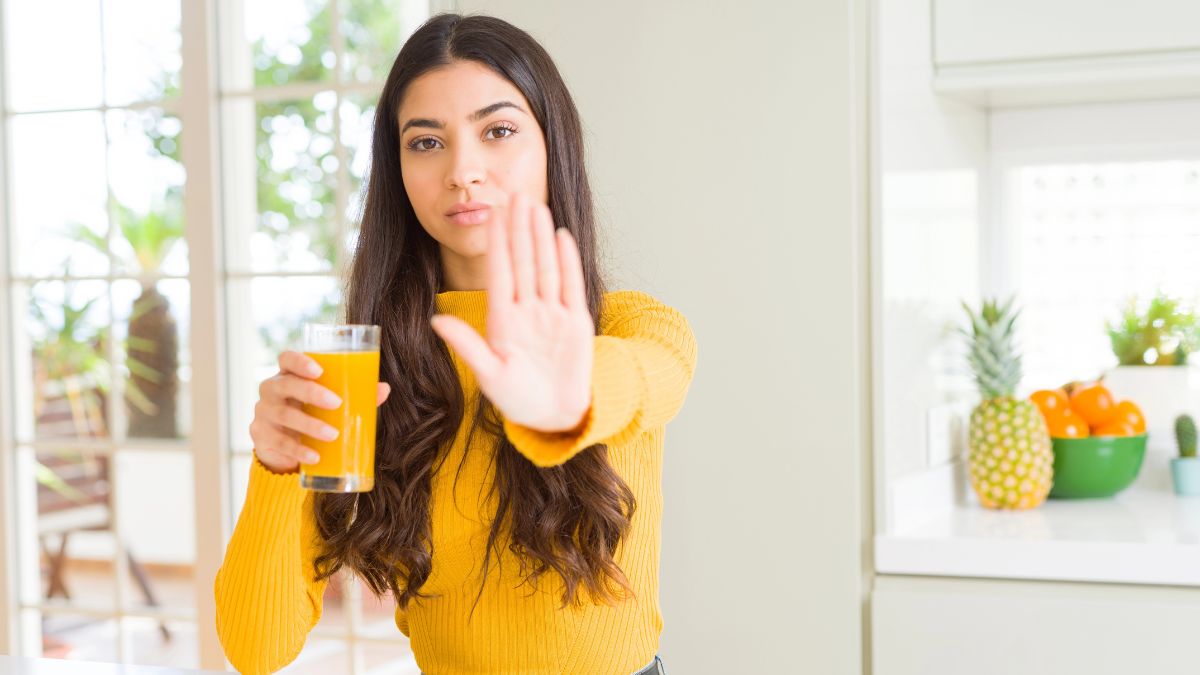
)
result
[(932, 162), (727, 144)]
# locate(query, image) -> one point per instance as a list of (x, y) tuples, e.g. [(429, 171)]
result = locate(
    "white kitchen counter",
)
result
[(1144, 535)]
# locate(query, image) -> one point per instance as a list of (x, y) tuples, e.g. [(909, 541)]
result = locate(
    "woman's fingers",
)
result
[(298, 364), (296, 420), (499, 262), (303, 390), (280, 446), (574, 293), (384, 390), (547, 254), (522, 249)]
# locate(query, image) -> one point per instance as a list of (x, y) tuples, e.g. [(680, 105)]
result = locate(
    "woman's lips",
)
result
[(472, 217)]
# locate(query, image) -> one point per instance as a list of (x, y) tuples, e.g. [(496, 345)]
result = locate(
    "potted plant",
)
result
[(152, 344), (1185, 469), (1152, 342), (70, 371)]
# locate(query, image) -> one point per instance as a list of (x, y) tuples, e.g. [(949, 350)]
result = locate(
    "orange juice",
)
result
[(347, 462)]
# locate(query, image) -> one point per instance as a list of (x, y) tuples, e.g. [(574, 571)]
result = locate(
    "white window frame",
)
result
[(199, 110)]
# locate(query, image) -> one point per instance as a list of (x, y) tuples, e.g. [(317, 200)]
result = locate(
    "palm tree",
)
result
[(152, 345)]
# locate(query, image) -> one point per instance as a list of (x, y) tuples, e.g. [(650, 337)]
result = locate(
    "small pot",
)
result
[(1185, 473)]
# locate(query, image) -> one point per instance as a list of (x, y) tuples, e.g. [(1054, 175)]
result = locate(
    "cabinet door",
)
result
[(941, 626), (988, 31)]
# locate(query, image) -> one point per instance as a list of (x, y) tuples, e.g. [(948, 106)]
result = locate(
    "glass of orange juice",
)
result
[(349, 358)]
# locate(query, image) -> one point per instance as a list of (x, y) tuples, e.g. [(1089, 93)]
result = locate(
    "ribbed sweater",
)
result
[(267, 600)]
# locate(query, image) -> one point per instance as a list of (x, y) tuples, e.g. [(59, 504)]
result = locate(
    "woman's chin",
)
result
[(469, 244)]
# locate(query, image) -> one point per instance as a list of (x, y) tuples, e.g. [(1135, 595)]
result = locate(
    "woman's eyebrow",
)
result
[(473, 117)]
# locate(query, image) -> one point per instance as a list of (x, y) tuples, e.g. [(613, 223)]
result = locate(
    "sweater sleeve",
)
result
[(267, 600), (642, 367)]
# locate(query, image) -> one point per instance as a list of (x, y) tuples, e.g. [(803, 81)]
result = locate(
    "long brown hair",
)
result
[(567, 518)]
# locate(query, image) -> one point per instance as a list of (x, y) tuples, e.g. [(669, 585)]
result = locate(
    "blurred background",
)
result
[(818, 186), (100, 282)]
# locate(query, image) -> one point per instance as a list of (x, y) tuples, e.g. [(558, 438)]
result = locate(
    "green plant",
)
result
[(151, 348), (46, 476), (1185, 435), (1161, 335), (72, 346)]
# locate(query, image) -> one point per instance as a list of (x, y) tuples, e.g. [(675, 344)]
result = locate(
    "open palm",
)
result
[(535, 365)]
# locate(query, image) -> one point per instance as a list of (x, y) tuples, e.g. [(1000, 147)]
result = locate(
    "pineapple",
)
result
[(1011, 463)]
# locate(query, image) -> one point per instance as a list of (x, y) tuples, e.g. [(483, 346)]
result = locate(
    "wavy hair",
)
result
[(567, 518)]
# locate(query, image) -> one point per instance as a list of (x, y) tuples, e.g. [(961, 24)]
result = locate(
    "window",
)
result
[(1092, 237), (99, 280)]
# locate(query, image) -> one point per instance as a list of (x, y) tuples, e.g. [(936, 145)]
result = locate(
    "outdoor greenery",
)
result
[(1162, 332), (297, 171)]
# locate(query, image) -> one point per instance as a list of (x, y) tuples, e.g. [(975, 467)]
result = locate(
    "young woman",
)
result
[(517, 504)]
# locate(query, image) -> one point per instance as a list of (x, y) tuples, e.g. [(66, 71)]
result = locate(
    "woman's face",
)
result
[(467, 135)]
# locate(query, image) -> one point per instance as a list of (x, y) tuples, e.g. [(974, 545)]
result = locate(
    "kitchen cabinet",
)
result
[(1036, 52), (926, 626)]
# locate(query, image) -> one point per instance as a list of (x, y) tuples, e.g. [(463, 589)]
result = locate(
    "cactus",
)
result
[(1185, 435)]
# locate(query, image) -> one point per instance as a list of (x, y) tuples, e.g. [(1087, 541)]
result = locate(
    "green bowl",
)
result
[(1097, 466)]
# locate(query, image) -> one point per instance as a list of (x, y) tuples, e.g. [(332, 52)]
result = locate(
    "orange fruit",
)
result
[(1114, 427), (1128, 411), (1050, 400), (1067, 424), (1094, 403)]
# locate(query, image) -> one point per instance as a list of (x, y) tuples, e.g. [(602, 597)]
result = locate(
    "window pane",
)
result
[(266, 316), (152, 329), (58, 194), (320, 657), (357, 116), (374, 31), (142, 49), (1092, 236), (147, 179), (156, 508), (149, 646), (281, 42), (334, 605), (379, 619), (295, 172), (68, 330), (64, 529), (53, 63), (389, 658), (77, 637)]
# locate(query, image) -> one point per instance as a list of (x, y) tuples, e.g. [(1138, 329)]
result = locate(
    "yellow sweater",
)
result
[(267, 601)]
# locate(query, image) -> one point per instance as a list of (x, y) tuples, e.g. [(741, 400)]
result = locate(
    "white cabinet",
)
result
[(935, 626), (1027, 52), (982, 31)]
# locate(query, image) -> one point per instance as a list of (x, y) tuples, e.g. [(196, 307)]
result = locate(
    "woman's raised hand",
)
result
[(535, 364)]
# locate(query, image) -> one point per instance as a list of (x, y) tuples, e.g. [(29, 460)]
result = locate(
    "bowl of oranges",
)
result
[(1098, 442)]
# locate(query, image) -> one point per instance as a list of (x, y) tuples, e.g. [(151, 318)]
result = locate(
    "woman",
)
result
[(517, 504)]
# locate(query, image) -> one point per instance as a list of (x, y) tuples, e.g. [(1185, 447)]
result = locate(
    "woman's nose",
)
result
[(466, 168)]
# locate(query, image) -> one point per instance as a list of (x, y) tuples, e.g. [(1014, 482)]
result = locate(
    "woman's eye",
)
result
[(418, 144), (510, 131)]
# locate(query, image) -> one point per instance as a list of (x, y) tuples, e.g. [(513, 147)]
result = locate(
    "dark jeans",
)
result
[(655, 668)]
